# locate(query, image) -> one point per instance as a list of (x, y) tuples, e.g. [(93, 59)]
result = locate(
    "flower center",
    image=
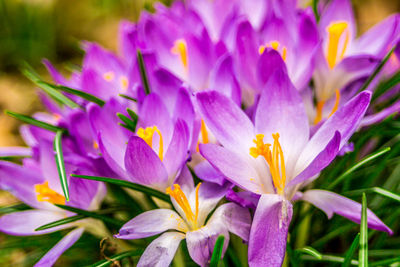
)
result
[(45, 193), (274, 159), (180, 49), (335, 31), (320, 107), (183, 202), (274, 45), (147, 136)]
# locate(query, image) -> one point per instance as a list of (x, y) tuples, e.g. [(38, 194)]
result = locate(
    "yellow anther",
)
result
[(274, 159), (337, 99), (109, 76), (180, 48), (147, 136), (274, 45), (183, 202), (320, 107), (335, 31), (95, 145), (261, 49), (204, 133), (45, 193), (124, 83)]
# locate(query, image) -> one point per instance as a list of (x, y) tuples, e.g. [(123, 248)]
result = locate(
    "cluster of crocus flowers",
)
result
[(256, 97)]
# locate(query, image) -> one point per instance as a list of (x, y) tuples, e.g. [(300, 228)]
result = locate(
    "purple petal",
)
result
[(143, 165), (236, 169), (17, 151), (55, 252), (380, 116), (268, 234), (161, 251), (243, 198), (208, 173), (229, 124), (25, 222), (320, 161), (270, 61), (331, 203), (200, 243), (345, 120), (152, 223)]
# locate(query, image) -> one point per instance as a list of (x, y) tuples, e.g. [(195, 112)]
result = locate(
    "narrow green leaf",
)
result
[(143, 73), (217, 252), (14, 208), (386, 85), (377, 190), (137, 187), (358, 165), (128, 97), (34, 122), (60, 222), (120, 256), (326, 258), (125, 126), (60, 163), (91, 214), (56, 95), (133, 115), (310, 251), (126, 120), (351, 251), (363, 252), (315, 9), (81, 94), (386, 262), (377, 69)]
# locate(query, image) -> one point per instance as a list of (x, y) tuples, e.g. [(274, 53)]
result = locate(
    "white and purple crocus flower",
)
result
[(275, 155)]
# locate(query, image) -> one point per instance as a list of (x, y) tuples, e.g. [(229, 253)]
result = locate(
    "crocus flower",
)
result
[(37, 184), (192, 205), (274, 156), (343, 58)]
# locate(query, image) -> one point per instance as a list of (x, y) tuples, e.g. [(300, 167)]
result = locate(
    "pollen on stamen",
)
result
[(108, 76), (46, 194)]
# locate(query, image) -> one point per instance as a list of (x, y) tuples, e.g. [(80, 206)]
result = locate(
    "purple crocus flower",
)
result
[(37, 184), (192, 205), (274, 156), (343, 58)]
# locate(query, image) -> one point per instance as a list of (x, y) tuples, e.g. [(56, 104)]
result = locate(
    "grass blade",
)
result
[(310, 251), (60, 163), (363, 252), (386, 262), (358, 165), (377, 69), (127, 121), (91, 214), (81, 94), (14, 208), (60, 222), (144, 189), (377, 190), (217, 252), (326, 258), (120, 256), (386, 85), (315, 9), (350, 252), (143, 73), (128, 97), (34, 122)]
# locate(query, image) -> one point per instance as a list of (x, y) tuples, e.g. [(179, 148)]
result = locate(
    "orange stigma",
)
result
[(45, 193), (274, 158), (335, 31), (183, 202), (147, 136)]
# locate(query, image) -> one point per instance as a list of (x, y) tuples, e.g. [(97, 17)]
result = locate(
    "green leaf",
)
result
[(386, 262), (358, 165), (14, 208), (34, 122), (310, 251), (144, 189), (327, 258), (91, 214), (217, 252), (60, 222), (60, 163), (128, 97), (120, 256), (377, 69), (386, 85), (55, 94), (350, 252), (133, 115), (81, 94), (315, 9), (377, 190), (363, 252), (128, 122), (143, 73)]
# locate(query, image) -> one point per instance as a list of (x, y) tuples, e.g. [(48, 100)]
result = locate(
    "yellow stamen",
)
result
[(335, 31), (204, 133), (183, 202), (274, 45), (147, 136), (124, 83), (337, 99), (108, 76), (45, 193), (180, 48), (275, 159), (95, 145), (320, 106)]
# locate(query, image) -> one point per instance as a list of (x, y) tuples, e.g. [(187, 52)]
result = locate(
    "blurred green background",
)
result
[(31, 30)]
